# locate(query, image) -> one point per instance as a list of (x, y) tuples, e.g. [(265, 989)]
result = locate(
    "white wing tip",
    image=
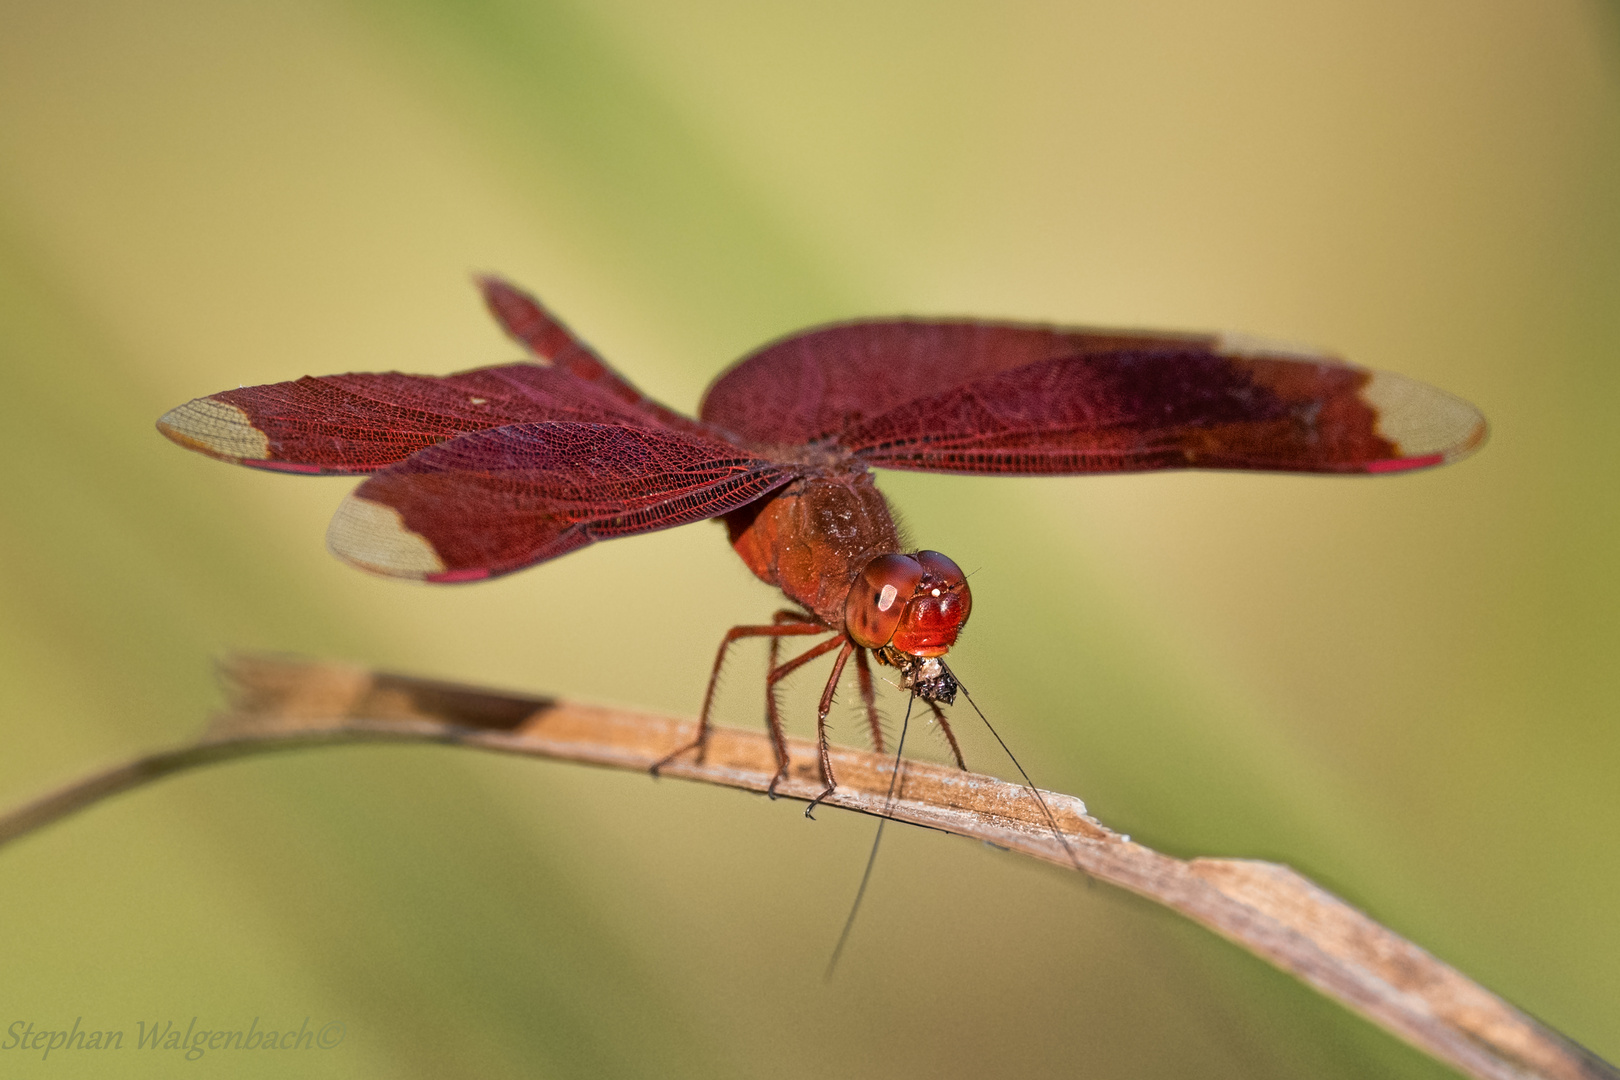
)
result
[(1423, 421), (215, 428), (374, 537)]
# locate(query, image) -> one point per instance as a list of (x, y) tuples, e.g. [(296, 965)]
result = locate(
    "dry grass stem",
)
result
[(280, 703)]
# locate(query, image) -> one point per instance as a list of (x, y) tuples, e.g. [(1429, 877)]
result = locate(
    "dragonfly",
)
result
[(480, 473)]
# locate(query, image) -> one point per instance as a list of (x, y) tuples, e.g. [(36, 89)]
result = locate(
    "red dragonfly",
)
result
[(491, 470)]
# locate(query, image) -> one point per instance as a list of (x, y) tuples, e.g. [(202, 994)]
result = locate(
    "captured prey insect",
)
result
[(487, 471)]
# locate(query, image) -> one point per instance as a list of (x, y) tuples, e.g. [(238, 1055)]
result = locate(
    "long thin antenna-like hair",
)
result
[(1033, 790), (871, 859)]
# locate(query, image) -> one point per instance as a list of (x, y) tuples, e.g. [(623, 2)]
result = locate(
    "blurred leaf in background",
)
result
[(1404, 687)]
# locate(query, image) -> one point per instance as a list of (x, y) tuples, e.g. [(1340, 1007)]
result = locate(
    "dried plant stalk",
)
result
[(280, 703)]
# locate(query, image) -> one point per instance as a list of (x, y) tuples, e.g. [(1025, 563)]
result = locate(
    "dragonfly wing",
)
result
[(527, 321), (360, 423), (964, 396), (817, 383), (490, 502), (1170, 408)]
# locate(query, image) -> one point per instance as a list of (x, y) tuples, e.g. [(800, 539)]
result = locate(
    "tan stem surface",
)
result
[(280, 703)]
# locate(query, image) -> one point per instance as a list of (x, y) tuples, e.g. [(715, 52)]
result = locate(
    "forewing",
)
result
[(816, 384), (360, 423), (1166, 408), (527, 321), (491, 502)]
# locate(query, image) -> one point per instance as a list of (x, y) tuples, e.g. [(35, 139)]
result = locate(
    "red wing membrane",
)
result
[(364, 422), (818, 383), (986, 398), (491, 502), (1124, 412), (542, 333)]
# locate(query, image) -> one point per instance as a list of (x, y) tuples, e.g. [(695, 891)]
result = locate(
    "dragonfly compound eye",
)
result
[(879, 597), (939, 606)]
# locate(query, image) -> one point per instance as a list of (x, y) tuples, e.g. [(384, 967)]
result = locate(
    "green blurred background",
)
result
[(1404, 687)]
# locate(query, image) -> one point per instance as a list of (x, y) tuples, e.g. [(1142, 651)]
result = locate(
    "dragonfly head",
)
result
[(912, 604)]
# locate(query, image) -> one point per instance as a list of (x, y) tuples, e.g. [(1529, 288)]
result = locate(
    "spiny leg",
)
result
[(789, 616), (863, 673), (773, 723), (821, 726), (734, 634), (956, 751), (772, 719)]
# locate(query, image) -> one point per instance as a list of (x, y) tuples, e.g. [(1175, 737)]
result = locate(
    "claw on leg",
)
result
[(815, 802), (700, 744)]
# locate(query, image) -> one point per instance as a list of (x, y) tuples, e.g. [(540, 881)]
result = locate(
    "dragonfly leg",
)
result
[(734, 634), (821, 724), (950, 737), (863, 672), (790, 617), (772, 719)]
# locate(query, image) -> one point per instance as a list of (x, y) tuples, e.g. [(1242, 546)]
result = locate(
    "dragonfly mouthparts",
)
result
[(926, 676)]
